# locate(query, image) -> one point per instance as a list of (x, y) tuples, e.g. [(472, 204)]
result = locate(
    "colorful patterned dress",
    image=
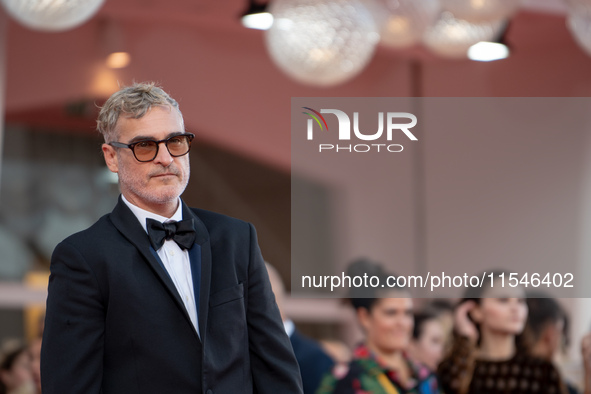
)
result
[(367, 374)]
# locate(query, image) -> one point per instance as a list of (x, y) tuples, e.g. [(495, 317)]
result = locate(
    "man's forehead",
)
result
[(160, 120), (156, 110)]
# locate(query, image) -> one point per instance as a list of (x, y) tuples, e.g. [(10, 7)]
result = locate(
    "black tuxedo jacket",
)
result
[(115, 323)]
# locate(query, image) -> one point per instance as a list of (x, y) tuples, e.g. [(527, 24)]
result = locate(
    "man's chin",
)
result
[(166, 199), (161, 197), (168, 194)]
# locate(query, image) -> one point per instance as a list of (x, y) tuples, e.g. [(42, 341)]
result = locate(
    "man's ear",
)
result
[(111, 158)]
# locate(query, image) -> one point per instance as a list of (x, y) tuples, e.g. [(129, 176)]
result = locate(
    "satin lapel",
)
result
[(195, 261), (126, 222), (203, 240)]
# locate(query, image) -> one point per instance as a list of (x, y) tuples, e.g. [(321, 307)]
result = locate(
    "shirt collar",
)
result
[(142, 214), (289, 327)]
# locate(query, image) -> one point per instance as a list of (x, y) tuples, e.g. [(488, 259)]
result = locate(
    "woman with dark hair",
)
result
[(546, 331), (487, 356), (380, 365), (15, 370), (428, 339)]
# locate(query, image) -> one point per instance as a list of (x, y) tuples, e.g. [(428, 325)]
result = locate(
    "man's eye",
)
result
[(176, 140), (144, 144)]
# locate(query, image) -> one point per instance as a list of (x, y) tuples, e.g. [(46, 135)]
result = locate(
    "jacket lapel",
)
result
[(127, 223), (202, 239)]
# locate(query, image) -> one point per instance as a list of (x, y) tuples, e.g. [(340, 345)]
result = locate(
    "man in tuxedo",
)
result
[(157, 297)]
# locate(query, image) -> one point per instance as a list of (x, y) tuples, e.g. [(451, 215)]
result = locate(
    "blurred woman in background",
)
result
[(546, 335), (15, 370), (428, 339), (380, 364), (486, 357)]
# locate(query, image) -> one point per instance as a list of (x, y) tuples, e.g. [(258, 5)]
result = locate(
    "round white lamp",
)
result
[(405, 21), (321, 42), (451, 37), (579, 23), (52, 15), (479, 11)]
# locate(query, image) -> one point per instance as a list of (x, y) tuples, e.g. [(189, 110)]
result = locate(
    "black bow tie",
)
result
[(183, 233)]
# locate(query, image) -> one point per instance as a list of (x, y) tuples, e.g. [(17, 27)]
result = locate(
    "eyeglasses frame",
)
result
[(131, 146)]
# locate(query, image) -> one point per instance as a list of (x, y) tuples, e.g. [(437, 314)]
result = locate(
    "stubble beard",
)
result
[(138, 185)]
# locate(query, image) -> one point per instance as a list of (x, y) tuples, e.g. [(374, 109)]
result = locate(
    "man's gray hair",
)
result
[(132, 101)]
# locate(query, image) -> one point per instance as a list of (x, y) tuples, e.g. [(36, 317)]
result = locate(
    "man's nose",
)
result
[(163, 157)]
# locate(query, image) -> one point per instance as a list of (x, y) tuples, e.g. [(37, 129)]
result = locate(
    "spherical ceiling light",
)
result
[(579, 23), (52, 15), (451, 37), (321, 42), (479, 11), (405, 21)]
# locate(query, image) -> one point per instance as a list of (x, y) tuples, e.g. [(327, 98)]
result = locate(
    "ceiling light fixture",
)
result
[(52, 15), (257, 17), (488, 51), (118, 60)]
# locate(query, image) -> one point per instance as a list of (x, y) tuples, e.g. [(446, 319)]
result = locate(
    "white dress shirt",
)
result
[(289, 327), (175, 260)]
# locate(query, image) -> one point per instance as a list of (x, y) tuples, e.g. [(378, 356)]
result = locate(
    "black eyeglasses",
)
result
[(147, 150)]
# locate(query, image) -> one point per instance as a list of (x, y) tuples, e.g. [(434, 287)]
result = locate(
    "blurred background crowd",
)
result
[(493, 340)]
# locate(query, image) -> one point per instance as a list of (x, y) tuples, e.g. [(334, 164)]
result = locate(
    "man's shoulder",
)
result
[(92, 234), (224, 229), (210, 218)]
